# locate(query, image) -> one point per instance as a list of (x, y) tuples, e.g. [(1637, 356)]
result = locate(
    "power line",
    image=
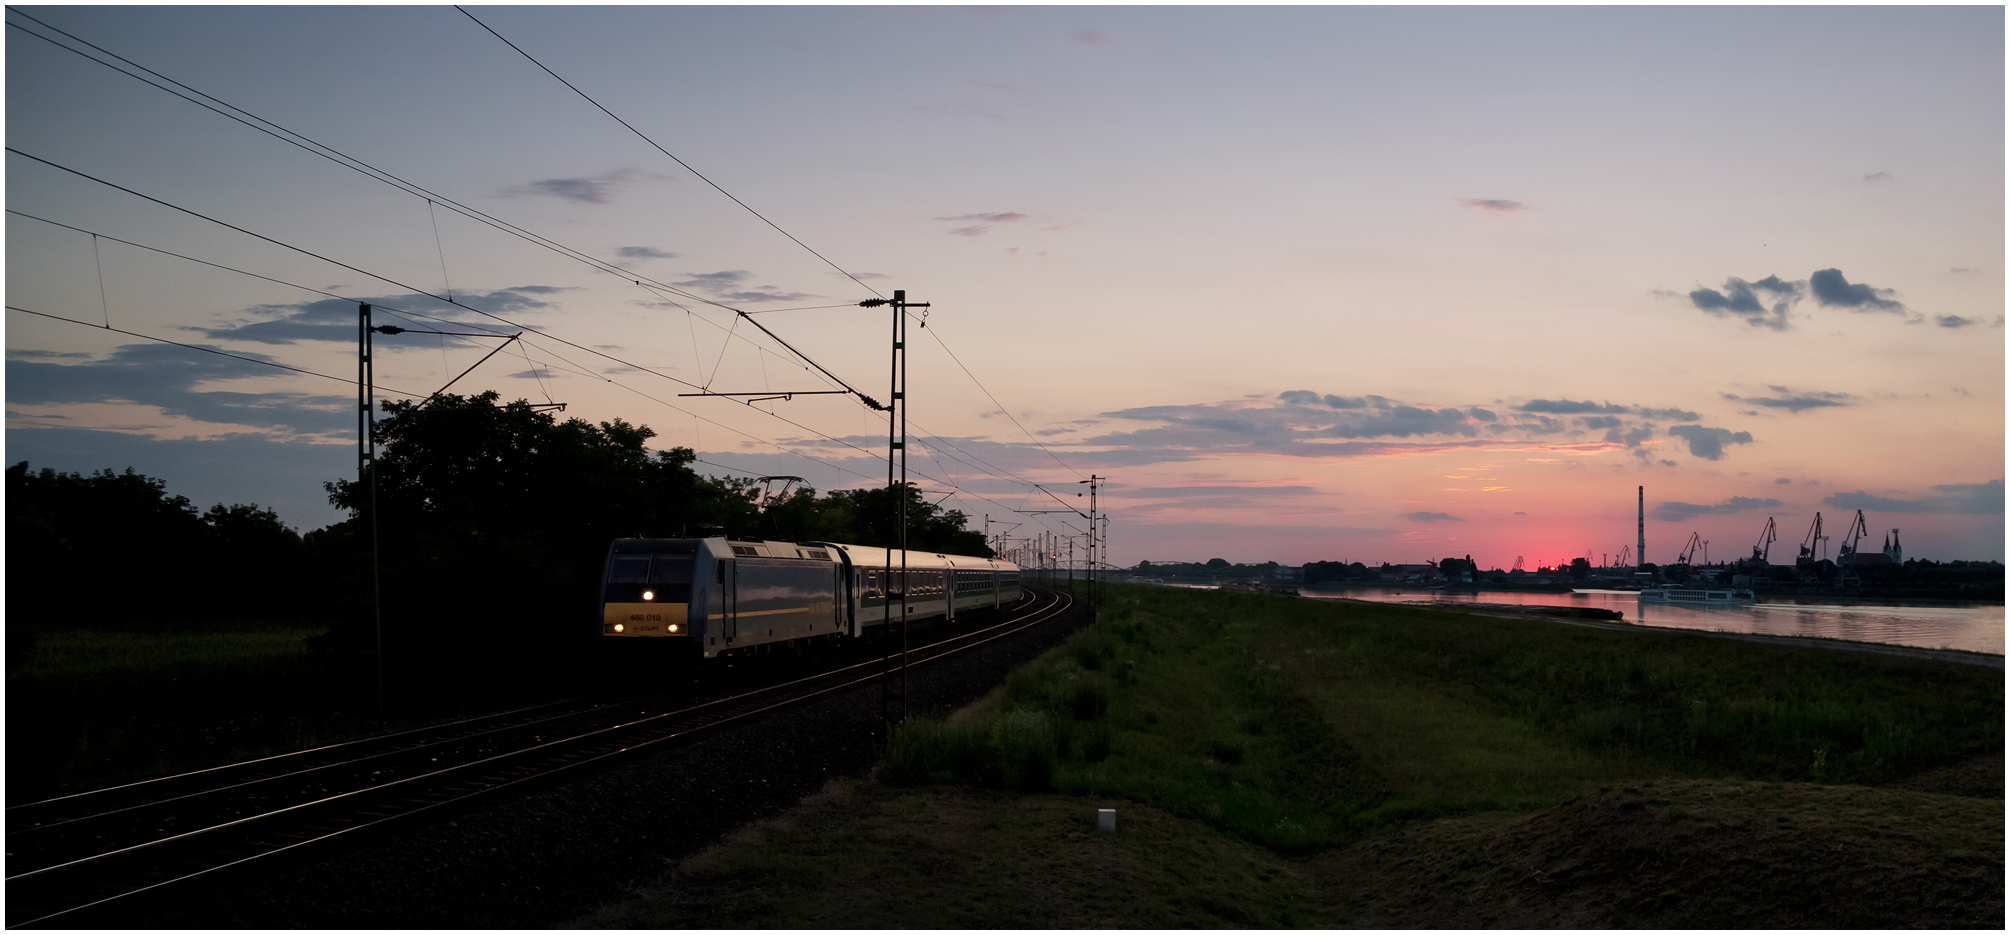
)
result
[(299, 140), (294, 138), (358, 165), (206, 350), (995, 402), (413, 289), (673, 156)]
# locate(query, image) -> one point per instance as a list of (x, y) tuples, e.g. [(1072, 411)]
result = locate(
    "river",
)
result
[(1933, 625)]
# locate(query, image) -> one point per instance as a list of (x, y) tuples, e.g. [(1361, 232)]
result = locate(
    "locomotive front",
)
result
[(647, 588)]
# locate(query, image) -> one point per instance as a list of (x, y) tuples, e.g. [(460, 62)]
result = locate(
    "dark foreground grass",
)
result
[(90, 707), (1299, 724), (1299, 763), (1673, 854)]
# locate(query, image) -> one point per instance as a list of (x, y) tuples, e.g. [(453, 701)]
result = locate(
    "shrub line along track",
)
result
[(88, 857)]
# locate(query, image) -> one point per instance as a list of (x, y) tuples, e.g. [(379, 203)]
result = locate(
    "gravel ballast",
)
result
[(547, 857)]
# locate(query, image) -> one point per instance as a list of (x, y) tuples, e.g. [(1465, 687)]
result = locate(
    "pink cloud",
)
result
[(1494, 205)]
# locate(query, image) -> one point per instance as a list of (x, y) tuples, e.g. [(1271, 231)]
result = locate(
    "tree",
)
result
[(1217, 564), (1580, 568), (506, 509), (117, 544), (498, 517)]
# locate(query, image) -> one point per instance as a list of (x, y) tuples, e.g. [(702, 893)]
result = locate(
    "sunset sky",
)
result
[(1366, 284)]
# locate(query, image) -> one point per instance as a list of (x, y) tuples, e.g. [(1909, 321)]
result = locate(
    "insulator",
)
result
[(874, 303)]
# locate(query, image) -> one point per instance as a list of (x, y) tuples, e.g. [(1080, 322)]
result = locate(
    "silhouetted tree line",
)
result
[(115, 548), (1323, 572), (493, 526)]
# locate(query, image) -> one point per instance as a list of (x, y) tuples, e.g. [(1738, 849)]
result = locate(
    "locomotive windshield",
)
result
[(649, 569), (663, 572)]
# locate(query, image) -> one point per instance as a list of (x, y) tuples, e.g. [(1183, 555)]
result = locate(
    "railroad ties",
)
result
[(102, 856)]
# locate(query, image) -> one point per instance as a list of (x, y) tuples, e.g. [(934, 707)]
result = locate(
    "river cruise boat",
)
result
[(1697, 597)]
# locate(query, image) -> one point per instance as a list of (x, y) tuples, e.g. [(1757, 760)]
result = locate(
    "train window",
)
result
[(628, 569), (671, 569)]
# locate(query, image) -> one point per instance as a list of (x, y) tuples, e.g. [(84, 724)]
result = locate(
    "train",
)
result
[(717, 596)]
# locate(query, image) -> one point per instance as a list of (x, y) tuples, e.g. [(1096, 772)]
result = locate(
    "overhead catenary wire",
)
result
[(673, 156), (310, 145), (417, 291), (208, 350), (377, 276), (299, 140), (294, 138), (375, 302)]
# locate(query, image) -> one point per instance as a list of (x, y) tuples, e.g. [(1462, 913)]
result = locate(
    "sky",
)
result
[(1302, 283)]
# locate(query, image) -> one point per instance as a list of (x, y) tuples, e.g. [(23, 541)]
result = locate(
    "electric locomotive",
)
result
[(731, 596)]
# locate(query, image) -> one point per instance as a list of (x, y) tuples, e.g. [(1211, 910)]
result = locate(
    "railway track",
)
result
[(91, 856)]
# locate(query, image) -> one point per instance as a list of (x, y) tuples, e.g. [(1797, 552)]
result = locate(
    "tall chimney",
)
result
[(1640, 548)]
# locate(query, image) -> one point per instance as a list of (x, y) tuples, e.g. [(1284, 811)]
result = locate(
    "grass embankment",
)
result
[(1281, 762), (90, 707)]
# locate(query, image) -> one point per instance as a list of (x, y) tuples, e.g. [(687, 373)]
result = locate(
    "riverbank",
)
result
[(1286, 763)]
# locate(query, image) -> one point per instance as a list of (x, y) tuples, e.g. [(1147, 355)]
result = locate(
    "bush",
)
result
[(1017, 749)]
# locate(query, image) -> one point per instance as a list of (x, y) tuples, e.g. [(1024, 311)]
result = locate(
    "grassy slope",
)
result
[(1291, 740)]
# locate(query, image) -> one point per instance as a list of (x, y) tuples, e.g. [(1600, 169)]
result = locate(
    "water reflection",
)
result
[(1950, 625)]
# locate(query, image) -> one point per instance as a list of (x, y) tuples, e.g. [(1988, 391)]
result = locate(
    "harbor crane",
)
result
[(1846, 552), (1856, 533), (1813, 541), (1763, 551), (1689, 551)]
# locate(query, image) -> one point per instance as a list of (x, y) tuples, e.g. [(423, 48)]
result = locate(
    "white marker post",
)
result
[(1106, 819)]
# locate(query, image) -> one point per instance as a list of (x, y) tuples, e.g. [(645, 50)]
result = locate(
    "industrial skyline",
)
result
[(1305, 283)]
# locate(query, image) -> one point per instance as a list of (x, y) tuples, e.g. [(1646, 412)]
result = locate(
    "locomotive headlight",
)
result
[(673, 628), (649, 595), (617, 628)]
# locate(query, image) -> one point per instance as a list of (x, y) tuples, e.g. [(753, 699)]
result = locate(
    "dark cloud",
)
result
[(590, 189), (1405, 421), (723, 279), (1953, 321), (1422, 517), (1600, 422), (1794, 402), (1630, 437), (33, 354), (1675, 510), (644, 253), (1878, 177), (1001, 217), (1309, 398), (1566, 407), (1708, 443), (1570, 407), (1830, 288), (1211, 491), (1741, 299), (974, 230), (165, 376), (1783, 480), (335, 319), (724, 285), (1484, 415), (1494, 205), (1947, 498)]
